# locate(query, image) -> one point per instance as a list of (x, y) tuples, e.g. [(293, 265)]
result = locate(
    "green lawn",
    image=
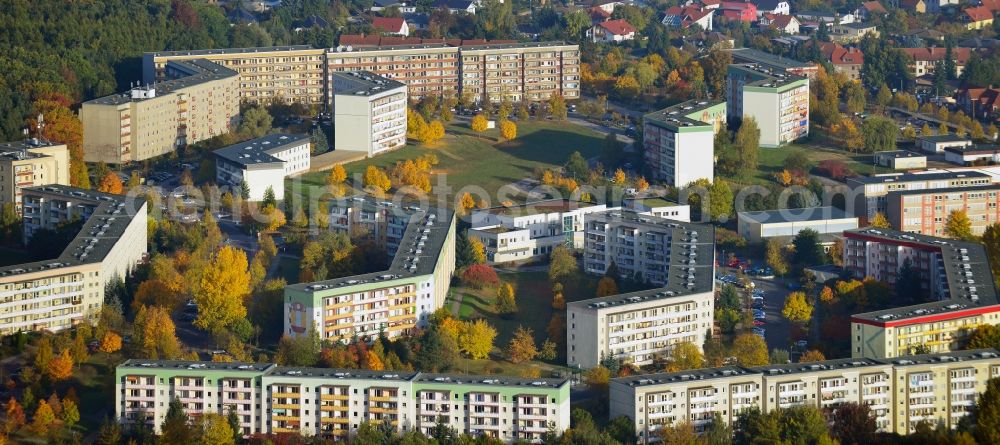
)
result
[(771, 160), (473, 161)]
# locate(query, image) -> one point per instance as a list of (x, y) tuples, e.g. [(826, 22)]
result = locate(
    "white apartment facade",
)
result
[(263, 163), (778, 101), (678, 142), (334, 403), (30, 163), (369, 112)]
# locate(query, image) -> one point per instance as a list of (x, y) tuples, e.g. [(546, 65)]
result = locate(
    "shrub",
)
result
[(480, 276)]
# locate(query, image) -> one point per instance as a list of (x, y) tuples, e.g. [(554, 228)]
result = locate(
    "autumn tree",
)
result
[(61, 366), (988, 413), (111, 183), (747, 143), (797, 308), (15, 417), (557, 106), (508, 129), (958, 226), (812, 355), (775, 256), (376, 180), (225, 283), (606, 286), (477, 251), (476, 339), (337, 175), (215, 429), (985, 336), (479, 123), (156, 337), (880, 221), (62, 125), (853, 423), (562, 264), (505, 302), (480, 276), (70, 413), (522, 346), (598, 379), (750, 350), (43, 419), (558, 300), (683, 356)]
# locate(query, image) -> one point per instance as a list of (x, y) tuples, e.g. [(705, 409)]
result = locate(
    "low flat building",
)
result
[(901, 393), (30, 163), (58, 293), (774, 62), (263, 163), (333, 403), (973, 154), (778, 101), (659, 207), (955, 276), (530, 231), (369, 112), (201, 101), (852, 32), (678, 142), (900, 159), (869, 192), (393, 302), (926, 211), (760, 226), (938, 143)]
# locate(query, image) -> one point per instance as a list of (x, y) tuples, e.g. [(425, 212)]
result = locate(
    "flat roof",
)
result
[(538, 207), (913, 177), (937, 138), (679, 115), (362, 83), (684, 376), (419, 247), (110, 216), (217, 51), (19, 150), (274, 370), (974, 149), (946, 190), (653, 202), (260, 151), (488, 46), (795, 215), (826, 365), (767, 76), (206, 72), (962, 262), (896, 154), (751, 55)]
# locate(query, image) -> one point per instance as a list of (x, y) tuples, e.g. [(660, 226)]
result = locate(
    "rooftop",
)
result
[(684, 376), (897, 154), (362, 83), (419, 247), (110, 216), (750, 55), (20, 150), (974, 149), (826, 365), (259, 152), (200, 71), (538, 207), (795, 215), (935, 191), (684, 114), (912, 177), (965, 270), (651, 203), (766, 76), (209, 52), (937, 138)]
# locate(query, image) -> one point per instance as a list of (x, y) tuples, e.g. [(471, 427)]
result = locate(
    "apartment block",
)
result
[(955, 277), (286, 73), (678, 142), (530, 231), (926, 211), (58, 293), (636, 327), (369, 112), (938, 388), (426, 69), (199, 102), (30, 163), (778, 101), (393, 302), (334, 403), (659, 207), (869, 193), (263, 163), (520, 71)]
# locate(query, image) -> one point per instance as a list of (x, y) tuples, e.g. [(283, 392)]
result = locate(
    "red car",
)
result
[(759, 323)]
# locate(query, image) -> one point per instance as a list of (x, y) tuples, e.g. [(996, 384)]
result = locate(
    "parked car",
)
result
[(759, 314), (759, 331), (759, 323)]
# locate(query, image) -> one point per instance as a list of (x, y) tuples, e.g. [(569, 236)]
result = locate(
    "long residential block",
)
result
[(679, 142), (394, 302), (636, 327), (902, 393), (926, 211), (870, 192), (200, 101), (334, 403), (778, 101), (955, 277), (58, 293), (30, 163)]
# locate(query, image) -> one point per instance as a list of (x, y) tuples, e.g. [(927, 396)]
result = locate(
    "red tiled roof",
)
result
[(389, 24), (781, 21), (992, 5), (838, 55), (874, 6), (618, 27), (979, 13), (961, 55), (597, 13)]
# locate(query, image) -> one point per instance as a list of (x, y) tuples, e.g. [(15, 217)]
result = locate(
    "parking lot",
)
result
[(776, 328)]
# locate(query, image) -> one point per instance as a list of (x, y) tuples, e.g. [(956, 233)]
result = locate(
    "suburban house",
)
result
[(925, 59), (678, 17), (978, 102), (782, 22), (395, 26), (455, 6), (611, 31), (852, 32), (607, 6), (742, 11), (977, 18), (825, 17), (871, 9), (381, 5), (773, 7), (846, 60)]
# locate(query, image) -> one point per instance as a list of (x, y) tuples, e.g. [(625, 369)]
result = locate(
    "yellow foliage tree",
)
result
[(215, 430), (61, 366), (225, 284), (797, 308), (43, 419), (451, 328), (374, 363), (812, 356), (522, 346), (619, 177), (641, 184), (337, 175), (826, 295), (435, 131), (377, 179), (683, 356), (478, 250), (476, 339), (606, 286), (750, 350), (273, 218), (111, 183), (508, 129), (110, 343), (880, 221), (479, 123), (467, 201), (156, 336), (784, 177)]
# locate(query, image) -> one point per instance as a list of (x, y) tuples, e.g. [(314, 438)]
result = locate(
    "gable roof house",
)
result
[(611, 31), (391, 25), (871, 9), (773, 7), (782, 22), (926, 59), (847, 60), (678, 17), (742, 11)]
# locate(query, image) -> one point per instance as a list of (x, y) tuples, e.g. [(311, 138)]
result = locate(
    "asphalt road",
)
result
[(777, 328)]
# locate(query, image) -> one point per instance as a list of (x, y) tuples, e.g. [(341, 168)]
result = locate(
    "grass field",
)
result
[(771, 160), (473, 161)]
